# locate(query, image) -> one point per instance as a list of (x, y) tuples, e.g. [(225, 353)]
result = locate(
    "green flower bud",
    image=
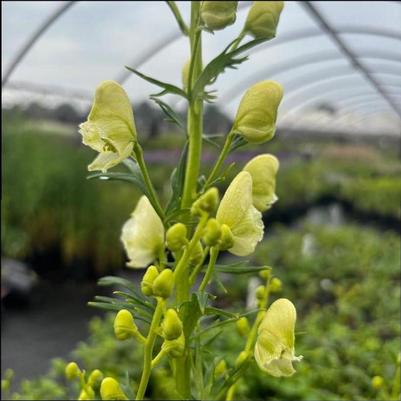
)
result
[(176, 237), (275, 285), (263, 18), (220, 369), (110, 390), (242, 357), (226, 238), (148, 279), (242, 325), (257, 113), (263, 169), (124, 325), (87, 394), (196, 254), (217, 15), (206, 203), (163, 284), (72, 371), (95, 378), (172, 325), (260, 291), (212, 232), (175, 348), (265, 274), (377, 382)]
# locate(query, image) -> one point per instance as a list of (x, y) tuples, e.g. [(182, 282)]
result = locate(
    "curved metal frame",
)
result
[(43, 27)]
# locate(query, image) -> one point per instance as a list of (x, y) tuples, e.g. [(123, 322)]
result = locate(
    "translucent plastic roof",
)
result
[(311, 57)]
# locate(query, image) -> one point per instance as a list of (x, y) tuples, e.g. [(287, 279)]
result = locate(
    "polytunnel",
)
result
[(343, 54)]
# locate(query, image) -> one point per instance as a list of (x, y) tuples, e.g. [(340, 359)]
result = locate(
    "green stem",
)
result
[(158, 358), (174, 9), (223, 154), (195, 113), (214, 252), (138, 152), (198, 267), (148, 349), (235, 45), (252, 335)]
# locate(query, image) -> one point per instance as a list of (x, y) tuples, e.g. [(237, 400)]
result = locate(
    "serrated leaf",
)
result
[(167, 88), (190, 312), (170, 113)]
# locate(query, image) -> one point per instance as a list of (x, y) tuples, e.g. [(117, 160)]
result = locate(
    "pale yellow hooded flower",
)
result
[(263, 169), (218, 14), (236, 211), (274, 348), (143, 235), (257, 113), (110, 127)]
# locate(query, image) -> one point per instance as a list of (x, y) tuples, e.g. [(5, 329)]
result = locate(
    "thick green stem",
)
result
[(195, 113), (223, 154), (138, 152), (148, 349), (214, 252)]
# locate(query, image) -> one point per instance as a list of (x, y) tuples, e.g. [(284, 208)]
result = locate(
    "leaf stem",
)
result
[(148, 349), (214, 253), (174, 9), (198, 267), (138, 152)]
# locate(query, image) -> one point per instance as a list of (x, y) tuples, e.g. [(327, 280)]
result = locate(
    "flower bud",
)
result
[(148, 279), (172, 325), (263, 18), (176, 237), (377, 382), (257, 113), (263, 169), (265, 274), (260, 292), (87, 394), (95, 378), (275, 285), (175, 348), (72, 371), (217, 15), (110, 390), (220, 369), (226, 238), (242, 357), (196, 254), (242, 325), (124, 325), (163, 284), (212, 232), (206, 203)]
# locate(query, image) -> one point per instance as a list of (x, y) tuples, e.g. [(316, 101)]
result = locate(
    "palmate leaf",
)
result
[(167, 88), (172, 116), (226, 59)]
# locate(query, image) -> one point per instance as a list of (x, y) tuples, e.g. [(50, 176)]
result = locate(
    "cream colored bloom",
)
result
[(263, 170), (257, 113), (218, 14), (110, 127), (236, 210), (274, 348), (263, 18), (143, 235)]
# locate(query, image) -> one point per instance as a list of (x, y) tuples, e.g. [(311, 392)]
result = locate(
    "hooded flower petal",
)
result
[(238, 213), (257, 113), (110, 128), (263, 170), (274, 348), (143, 235)]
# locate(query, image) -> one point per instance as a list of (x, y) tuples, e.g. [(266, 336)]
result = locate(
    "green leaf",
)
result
[(224, 60), (203, 299), (172, 116), (239, 268), (190, 313), (167, 88), (210, 310)]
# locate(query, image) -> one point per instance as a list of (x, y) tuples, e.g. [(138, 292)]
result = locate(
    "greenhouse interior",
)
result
[(201, 200)]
